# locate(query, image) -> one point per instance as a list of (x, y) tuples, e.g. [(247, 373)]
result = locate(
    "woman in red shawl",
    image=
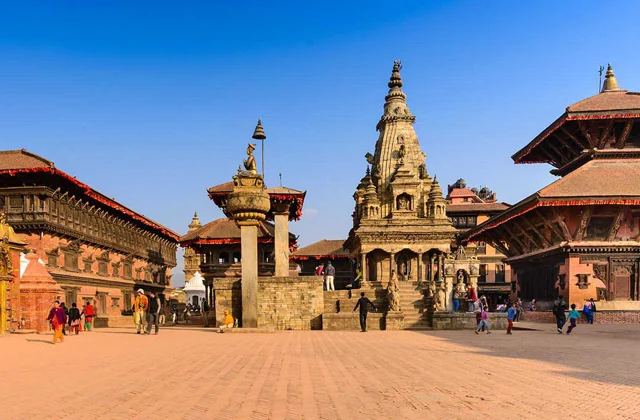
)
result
[(88, 313), (58, 319)]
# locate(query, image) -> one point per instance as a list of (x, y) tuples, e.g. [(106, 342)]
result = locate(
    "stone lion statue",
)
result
[(441, 300)]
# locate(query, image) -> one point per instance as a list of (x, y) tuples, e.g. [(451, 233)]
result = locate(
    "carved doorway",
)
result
[(406, 265)]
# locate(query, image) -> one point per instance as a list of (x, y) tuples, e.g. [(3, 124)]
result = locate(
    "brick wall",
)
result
[(290, 302)]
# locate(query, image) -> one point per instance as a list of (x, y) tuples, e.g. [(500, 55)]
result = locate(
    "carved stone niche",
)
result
[(52, 257), (583, 281)]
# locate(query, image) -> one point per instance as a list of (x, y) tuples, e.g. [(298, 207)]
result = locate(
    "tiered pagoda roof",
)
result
[(226, 231)]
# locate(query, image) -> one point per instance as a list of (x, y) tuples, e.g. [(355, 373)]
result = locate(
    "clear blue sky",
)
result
[(153, 102)]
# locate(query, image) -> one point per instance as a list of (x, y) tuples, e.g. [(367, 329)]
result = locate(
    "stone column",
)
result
[(432, 260), (249, 244), (281, 245), (364, 283), (392, 262)]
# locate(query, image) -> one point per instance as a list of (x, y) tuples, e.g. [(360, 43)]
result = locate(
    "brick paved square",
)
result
[(198, 374)]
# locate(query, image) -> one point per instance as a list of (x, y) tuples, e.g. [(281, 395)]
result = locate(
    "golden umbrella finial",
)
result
[(258, 133), (610, 82)]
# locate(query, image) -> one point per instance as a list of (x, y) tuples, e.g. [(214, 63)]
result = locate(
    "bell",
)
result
[(258, 133)]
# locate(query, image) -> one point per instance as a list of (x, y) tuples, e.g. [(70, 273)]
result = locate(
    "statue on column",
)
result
[(393, 294), (250, 161)]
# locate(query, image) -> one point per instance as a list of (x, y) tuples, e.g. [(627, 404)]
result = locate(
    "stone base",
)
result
[(113, 321), (466, 321), (350, 321), (394, 320)]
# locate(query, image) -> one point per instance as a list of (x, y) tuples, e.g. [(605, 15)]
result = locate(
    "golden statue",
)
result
[(7, 231), (250, 161)]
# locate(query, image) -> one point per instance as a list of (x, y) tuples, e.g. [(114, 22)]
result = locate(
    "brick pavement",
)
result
[(197, 374)]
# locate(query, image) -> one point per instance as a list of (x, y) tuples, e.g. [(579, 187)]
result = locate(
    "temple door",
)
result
[(622, 282)]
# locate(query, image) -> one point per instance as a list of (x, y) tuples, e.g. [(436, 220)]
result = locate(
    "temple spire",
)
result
[(610, 83), (195, 222), (395, 84)]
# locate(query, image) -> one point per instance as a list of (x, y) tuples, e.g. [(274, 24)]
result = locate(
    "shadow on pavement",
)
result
[(601, 353)]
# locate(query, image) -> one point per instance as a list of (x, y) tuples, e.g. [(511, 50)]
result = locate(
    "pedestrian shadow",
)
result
[(39, 340), (579, 356)]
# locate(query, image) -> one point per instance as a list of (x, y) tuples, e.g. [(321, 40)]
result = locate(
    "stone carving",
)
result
[(460, 253), (440, 301), (369, 158), (403, 203), (474, 270), (400, 139), (402, 152), (432, 289), (583, 281), (74, 245), (393, 295), (422, 171), (250, 161), (448, 269)]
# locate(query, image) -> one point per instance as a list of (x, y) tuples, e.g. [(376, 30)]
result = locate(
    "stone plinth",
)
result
[(466, 321), (350, 321), (394, 321), (38, 290), (227, 296), (290, 303)]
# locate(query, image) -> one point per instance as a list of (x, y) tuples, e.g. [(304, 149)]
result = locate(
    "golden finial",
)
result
[(258, 133), (610, 82), (395, 79)]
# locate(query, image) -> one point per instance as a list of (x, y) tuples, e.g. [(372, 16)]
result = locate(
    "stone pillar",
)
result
[(432, 260), (364, 283), (392, 263), (249, 243), (281, 245)]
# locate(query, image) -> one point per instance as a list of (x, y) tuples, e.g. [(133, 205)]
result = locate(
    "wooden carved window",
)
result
[(127, 270), (16, 204), (102, 268), (499, 273), (71, 261), (126, 296), (483, 273)]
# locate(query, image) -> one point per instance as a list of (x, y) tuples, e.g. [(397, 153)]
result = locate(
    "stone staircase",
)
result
[(412, 305)]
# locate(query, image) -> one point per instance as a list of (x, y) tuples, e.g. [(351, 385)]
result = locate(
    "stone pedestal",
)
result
[(281, 246), (249, 244), (38, 290)]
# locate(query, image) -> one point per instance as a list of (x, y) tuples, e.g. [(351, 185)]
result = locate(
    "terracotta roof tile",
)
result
[(598, 178), (325, 247), (608, 101), (222, 188), (225, 228), (22, 159), (462, 192), (476, 207)]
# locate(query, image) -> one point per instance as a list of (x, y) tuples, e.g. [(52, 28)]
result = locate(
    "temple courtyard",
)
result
[(113, 373)]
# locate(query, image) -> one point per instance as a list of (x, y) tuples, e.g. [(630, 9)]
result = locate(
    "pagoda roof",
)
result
[(477, 207), (14, 162), (325, 248), (462, 193), (226, 231), (597, 182)]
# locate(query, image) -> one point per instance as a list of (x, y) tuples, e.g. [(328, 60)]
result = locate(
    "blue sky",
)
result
[(153, 102)]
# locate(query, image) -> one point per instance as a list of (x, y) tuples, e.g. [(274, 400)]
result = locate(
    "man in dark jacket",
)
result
[(364, 303), (153, 315), (74, 319), (559, 306)]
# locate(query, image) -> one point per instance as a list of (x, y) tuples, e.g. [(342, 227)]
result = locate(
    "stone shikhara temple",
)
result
[(579, 237), (65, 240)]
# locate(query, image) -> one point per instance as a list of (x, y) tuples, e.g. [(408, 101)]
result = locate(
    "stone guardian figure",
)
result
[(393, 294)]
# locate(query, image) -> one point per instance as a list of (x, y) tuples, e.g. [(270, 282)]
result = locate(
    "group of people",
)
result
[(60, 317), (560, 307), (146, 312), (327, 271)]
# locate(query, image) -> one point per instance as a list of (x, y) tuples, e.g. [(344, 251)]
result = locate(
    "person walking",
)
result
[(471, 297), (163, 313), (142, 306), (74, 319), (330, 274), (174, 314), (559, 307), (205, 312), (89, 314), (588, 310), (573, 318), (484, 321), (153, 314), (58, 319), (511, 315), (363, 304), (66, 312)]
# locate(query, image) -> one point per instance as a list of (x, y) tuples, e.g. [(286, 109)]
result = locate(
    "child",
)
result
[(484, 316), (573, 317), (511, 314)]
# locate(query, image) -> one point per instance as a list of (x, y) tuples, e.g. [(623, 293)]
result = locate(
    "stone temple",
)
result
[(399, 221)]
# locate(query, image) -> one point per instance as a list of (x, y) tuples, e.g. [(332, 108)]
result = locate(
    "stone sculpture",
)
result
[(440, 304), (393, 294)]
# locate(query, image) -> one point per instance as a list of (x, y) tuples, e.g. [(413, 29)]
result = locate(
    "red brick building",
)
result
[(95, 248), (579, 236)]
